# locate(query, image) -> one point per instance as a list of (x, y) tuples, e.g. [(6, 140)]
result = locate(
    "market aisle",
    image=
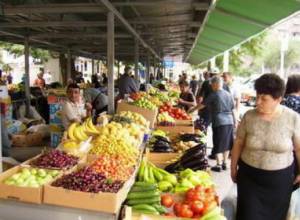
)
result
[(222, 179)]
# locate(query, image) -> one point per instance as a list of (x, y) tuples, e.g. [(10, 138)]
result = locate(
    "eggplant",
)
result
[(190, 137), (192, 163), (161, 143), (160, 138), (173, 168)]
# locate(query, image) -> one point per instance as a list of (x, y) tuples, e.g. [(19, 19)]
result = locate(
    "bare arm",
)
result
[(235, 156), (189, 104), (197, 107)]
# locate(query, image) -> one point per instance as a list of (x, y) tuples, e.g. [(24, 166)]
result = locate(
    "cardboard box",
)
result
[(184, 122), (22, 194), (27, 140), (162, 159), (177, 129), (102, 202), (150, 115)]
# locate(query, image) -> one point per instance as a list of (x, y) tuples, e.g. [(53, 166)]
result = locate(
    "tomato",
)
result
[(199, 188), (197, 207), (190, 194), (197, 196), (186, 212), (167, 200), (177, 207), (209, 190)]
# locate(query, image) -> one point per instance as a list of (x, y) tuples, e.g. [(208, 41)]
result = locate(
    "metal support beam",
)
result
[(77, 35), (36, 24), (69, 62), (111, 61), (110, 6), (148, 69), (93, 67), (27, 79), (136, 60)]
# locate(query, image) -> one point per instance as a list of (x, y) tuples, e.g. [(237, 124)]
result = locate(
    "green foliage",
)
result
[(18, 50)]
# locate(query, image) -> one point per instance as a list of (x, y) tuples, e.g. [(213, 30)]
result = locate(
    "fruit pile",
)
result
[(145, 198), (199, 202), (137, 95), (78, 133), (144, 103), (32, 177), (55, 159), (193, 158), (164, 119), (87, 180), (136, 118), (113, 167), (176, 113)]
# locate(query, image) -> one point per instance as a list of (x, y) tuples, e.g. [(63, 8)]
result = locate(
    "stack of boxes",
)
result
[(56, 127)]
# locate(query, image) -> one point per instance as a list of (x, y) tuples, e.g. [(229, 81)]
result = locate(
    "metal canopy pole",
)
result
[(111, 61), (93, 67), (69, 65), (26, 78), (136, 60), (148, 68), (226, 61)]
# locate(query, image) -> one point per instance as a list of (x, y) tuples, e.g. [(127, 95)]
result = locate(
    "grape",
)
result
[(87, 180), (55, 159)]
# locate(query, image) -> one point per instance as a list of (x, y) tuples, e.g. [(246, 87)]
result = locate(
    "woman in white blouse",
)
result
[(262, 156)]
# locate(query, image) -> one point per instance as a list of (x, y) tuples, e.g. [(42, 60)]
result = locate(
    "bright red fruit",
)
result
[(197, 207), (167, 200)]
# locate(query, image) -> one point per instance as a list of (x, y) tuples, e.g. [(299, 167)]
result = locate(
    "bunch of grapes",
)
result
[(88, 180), (55, 159)]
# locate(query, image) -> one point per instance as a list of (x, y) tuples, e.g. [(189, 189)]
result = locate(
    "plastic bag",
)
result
[(294, 209)]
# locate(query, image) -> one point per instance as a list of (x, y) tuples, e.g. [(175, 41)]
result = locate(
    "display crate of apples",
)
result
[(157, 193), (26, 182)]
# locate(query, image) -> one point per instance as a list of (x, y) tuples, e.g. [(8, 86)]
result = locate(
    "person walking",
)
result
[(262, 155)]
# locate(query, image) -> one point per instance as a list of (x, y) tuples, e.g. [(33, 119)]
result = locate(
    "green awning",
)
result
[(231, 22)]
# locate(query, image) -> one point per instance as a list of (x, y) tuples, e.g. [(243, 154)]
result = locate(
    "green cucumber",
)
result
[(143, 188), (144, 207), (149, 201), (144, 184), (158, 176), (161, 209), (142, 195), (145, 211)]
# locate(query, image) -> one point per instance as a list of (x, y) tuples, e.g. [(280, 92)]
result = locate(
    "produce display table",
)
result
[(12, 210)]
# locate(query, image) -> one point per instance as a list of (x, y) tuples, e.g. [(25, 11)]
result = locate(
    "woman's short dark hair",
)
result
[(183, 83), (293, 84), (73, 86), (270, 84)]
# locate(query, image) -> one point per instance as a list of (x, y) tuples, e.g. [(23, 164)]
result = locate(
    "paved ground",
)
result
[(222, 179)]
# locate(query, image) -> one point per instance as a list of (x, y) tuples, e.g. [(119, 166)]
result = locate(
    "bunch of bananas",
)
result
[(78, 133)]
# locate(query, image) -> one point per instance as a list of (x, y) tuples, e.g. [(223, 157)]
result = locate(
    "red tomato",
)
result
[(177, 207), (186, 212), (197, 196), (209, 190), (167, 200), (190, 194), (197, 207), (199, 188)]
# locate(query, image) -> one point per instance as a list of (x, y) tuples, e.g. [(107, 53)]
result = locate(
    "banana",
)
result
[(83, 134), (92, 126), (78, 134), (88, 130), (71, 131)]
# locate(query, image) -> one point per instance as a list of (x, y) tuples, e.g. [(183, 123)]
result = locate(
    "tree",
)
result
[(18, 50)]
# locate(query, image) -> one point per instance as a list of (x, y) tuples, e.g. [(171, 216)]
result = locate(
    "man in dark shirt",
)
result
[(127, 85), (186, 99), (194, 85)]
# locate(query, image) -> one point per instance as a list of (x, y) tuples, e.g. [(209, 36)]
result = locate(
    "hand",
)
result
[(180, 101), (233, 174), (297, 179), (88, 106)]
